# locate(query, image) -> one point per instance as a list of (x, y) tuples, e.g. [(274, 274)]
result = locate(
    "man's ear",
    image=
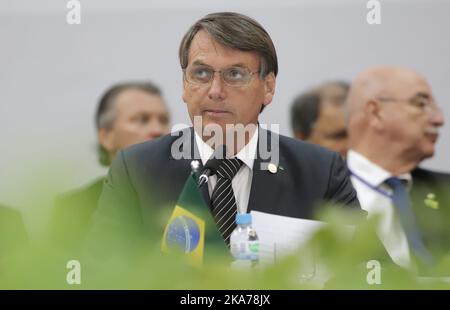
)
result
[(183, 96), (269, 88), (106, 139), (373, 111)]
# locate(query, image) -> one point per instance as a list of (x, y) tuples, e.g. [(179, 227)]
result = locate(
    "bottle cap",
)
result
[(243, 218)]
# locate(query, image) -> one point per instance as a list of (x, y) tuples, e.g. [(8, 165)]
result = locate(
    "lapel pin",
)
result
[(272, 168), (431, 201), (195, 166)]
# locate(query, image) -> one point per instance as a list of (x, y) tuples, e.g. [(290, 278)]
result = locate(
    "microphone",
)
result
[(210, 169), (212, 164)]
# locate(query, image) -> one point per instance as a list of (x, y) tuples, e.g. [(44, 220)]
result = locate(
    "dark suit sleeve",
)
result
[(340, 189), (13, 234), (117, 224)]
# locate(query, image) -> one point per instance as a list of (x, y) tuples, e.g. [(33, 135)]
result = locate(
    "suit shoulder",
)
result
[(11, 226), (86, 193), (155, 148), (153, 157), (430, 176), (303, 149), (9, 214)]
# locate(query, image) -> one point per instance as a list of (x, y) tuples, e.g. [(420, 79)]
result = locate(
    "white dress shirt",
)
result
[(242, 181), (389, 231)]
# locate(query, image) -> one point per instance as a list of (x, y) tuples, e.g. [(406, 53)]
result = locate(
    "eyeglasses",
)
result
[(203, 75), (423, 103)]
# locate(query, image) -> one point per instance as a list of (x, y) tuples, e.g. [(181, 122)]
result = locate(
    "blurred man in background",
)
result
[(318, 116), (13, 234), (393, 126), (127, 114)]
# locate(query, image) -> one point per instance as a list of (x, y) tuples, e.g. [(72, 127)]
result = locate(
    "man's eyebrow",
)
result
[(239, 64), (422, 95), (199, 62)]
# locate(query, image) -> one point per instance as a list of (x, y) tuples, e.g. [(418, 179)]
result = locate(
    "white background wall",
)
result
[(52, 73)]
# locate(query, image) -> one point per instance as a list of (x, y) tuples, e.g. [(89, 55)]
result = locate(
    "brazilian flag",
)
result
[(192, 229)]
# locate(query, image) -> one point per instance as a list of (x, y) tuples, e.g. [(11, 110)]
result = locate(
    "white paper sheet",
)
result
[(282, 235)]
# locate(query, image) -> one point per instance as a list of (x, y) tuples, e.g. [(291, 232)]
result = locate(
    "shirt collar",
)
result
[(371, 172), (247, 154)]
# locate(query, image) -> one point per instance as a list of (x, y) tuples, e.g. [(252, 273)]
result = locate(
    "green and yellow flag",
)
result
[(191, 227)]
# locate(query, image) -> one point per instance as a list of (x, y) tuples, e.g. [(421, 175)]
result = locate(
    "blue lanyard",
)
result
[(375, 188)]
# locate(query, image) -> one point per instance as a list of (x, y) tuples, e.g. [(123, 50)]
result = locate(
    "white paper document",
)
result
[(281, 235)]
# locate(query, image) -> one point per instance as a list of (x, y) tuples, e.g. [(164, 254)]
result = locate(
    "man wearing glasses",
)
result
[(229, 67), (394, 125)]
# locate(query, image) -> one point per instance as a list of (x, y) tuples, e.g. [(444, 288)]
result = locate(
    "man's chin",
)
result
[(428, 152), (210, 125)]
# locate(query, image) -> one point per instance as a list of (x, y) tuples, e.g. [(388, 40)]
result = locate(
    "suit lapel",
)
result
[(205, 194), (189, 148), (267, 186)]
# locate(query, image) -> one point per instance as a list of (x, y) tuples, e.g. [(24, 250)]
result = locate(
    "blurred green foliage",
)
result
[(339, 262)]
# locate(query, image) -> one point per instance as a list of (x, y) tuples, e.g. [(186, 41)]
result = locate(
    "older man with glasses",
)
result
[(394, 125)]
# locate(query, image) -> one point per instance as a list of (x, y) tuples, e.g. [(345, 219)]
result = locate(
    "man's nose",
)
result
[(217, 88), (437, 118), (155, 129)]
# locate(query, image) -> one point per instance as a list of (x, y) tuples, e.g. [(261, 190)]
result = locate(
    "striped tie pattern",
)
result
[(223, 202)]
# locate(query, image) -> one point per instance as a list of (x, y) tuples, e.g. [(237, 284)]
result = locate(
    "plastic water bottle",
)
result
[(244, 243)]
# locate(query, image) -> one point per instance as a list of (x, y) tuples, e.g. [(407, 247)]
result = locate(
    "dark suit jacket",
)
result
[(146, 179), (429, 177), (72, 212), (433, 223), (13, 234)]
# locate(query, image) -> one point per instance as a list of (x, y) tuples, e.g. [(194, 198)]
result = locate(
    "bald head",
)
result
[(385, 81), (393, 109)]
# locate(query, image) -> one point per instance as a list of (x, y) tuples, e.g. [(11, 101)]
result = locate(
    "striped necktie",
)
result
[(223, 202)]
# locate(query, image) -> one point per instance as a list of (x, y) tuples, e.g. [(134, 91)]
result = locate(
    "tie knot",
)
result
[(229, 167), (395, 183)]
